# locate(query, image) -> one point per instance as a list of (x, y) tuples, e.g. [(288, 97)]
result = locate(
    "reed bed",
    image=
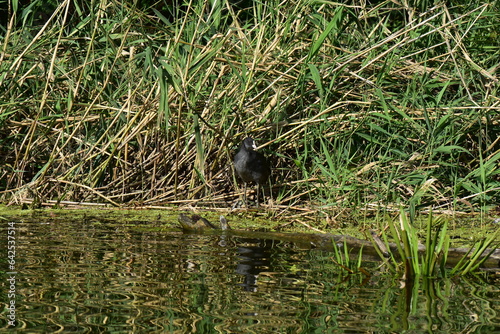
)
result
[(360, 107)]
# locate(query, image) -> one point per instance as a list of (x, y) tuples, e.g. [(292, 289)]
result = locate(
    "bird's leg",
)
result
[(258, 195), (245, 196), (270, 200), (263, 194)]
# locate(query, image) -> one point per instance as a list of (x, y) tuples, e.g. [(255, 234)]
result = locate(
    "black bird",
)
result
[(251, 166)]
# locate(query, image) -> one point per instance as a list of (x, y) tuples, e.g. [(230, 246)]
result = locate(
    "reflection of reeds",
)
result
[(360, 106)]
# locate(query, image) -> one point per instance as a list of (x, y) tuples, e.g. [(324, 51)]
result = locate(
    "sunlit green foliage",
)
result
[(427, 258), (360, 105)]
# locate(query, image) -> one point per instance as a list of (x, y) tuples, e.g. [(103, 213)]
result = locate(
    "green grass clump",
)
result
[(359, 105), (429, 259)]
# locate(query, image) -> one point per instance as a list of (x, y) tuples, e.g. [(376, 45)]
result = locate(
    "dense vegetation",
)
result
[(359, 105)]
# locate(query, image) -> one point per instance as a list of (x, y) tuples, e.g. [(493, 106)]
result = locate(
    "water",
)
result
[(105, 277)]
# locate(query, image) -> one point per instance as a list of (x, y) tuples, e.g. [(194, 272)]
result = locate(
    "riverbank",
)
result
[(463, 231)]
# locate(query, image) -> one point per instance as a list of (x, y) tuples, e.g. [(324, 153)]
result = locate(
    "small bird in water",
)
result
[(251, 166)]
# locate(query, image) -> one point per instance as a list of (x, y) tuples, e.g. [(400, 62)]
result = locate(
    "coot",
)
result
[(251, 166)]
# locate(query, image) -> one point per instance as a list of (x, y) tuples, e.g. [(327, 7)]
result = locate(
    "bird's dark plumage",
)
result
[(251, 166)]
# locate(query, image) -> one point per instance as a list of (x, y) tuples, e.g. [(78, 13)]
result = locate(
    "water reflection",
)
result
[(92, 276), (252, 260)]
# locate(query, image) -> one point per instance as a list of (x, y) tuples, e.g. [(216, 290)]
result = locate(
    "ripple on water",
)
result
[(88, 277)]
